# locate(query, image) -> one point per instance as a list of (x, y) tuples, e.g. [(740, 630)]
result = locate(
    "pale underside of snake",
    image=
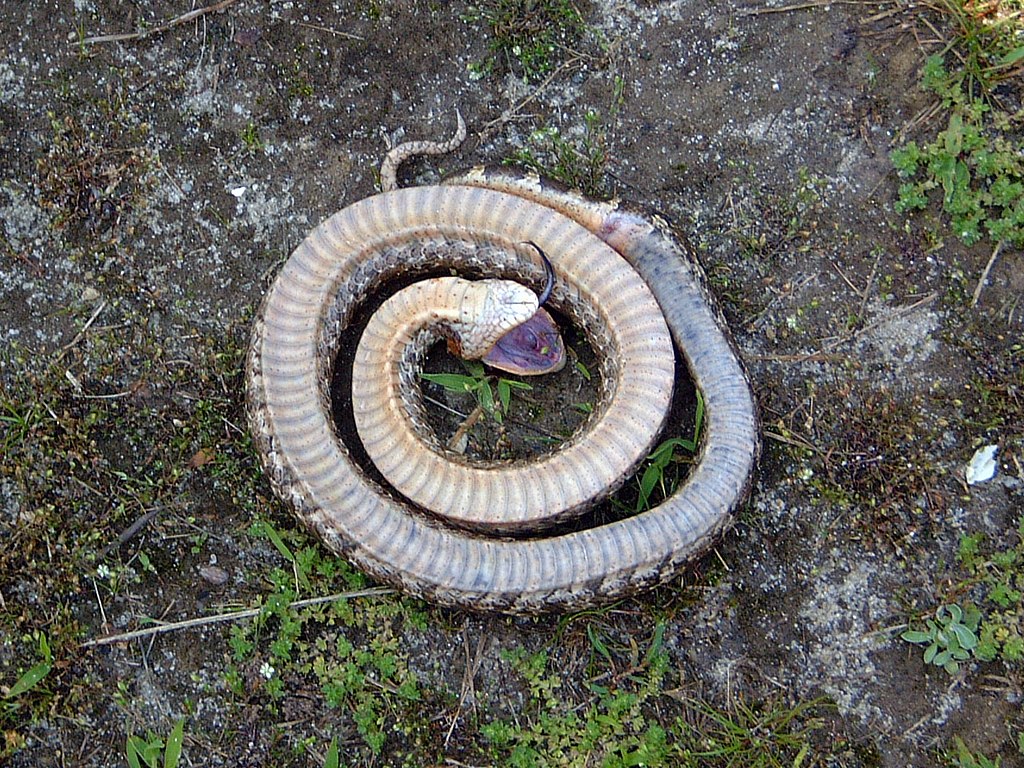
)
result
[(434, 523)]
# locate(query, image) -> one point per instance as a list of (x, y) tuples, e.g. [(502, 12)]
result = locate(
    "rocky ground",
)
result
[(152, 185)]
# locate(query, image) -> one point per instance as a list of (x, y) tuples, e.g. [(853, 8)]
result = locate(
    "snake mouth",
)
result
[(532, 348)]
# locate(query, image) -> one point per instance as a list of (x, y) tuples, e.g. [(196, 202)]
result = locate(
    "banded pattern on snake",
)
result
[(601, 252)]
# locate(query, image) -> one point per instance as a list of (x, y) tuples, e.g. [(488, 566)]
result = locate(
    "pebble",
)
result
[(214, 574)]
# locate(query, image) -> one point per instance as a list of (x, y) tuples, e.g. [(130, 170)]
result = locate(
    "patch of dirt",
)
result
[(150, 188)]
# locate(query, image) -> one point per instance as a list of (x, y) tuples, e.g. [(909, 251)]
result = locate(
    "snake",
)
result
[(502, 536)]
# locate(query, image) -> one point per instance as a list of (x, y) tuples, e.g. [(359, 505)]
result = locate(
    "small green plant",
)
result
[(372, 9), (479, 383), (626, 718), (993, 628), (528, 35), (153, 752), (1001, 574), (578, 163), (367, 679), (251, 137), (975, 164), (770, 734), (984, 40), (964, 758), (609, 729), (35, 674), (978, 171), (949, 638), (664, 455), (300, 84), (19, 420)]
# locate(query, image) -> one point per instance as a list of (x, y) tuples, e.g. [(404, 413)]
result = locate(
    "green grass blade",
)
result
[(1011, 58), (29, 680), (131, 753), (486, 395), (453, 382), (698, 420), (597, 643), (172, 752), (278, 542), (504, 394), (286, 553), (332, 759), (650, 478)]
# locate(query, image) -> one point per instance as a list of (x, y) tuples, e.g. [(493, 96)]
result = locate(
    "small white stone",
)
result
[(982, 466), (214, 574)]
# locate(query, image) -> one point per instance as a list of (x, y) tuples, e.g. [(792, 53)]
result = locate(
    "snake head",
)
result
[(530, 349), (501, 323)]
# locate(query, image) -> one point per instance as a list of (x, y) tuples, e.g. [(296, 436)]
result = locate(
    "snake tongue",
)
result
[(529, 349)]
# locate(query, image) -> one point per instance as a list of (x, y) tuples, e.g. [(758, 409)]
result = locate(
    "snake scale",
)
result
[(616, 268)]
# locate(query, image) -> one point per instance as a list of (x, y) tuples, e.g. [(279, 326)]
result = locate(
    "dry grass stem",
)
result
[(220, 618), (335, 32)]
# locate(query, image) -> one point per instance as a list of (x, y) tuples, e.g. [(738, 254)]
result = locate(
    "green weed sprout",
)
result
[(479, 383), (147, 752)]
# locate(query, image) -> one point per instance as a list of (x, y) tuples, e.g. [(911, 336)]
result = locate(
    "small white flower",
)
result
[(266, 670), (103, 571)]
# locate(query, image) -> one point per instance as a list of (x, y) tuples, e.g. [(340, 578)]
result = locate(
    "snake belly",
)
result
[(483, 215)]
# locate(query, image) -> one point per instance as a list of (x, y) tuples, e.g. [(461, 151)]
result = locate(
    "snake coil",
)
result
[(601, 252)]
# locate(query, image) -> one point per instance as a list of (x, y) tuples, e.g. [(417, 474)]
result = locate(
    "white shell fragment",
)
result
[(982, 466)]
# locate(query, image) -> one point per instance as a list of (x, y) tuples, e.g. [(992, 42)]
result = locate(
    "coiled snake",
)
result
[(622, 276)]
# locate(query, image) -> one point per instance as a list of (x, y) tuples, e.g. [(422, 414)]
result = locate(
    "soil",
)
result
[(154, 185)]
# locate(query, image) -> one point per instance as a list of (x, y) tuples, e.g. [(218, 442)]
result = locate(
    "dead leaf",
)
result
[(201, 457)]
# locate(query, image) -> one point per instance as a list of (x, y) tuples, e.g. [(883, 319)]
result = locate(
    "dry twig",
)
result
[(335, 32), (509, 114), (797, 7), (984, 275), (184, 18), (78, 336)]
